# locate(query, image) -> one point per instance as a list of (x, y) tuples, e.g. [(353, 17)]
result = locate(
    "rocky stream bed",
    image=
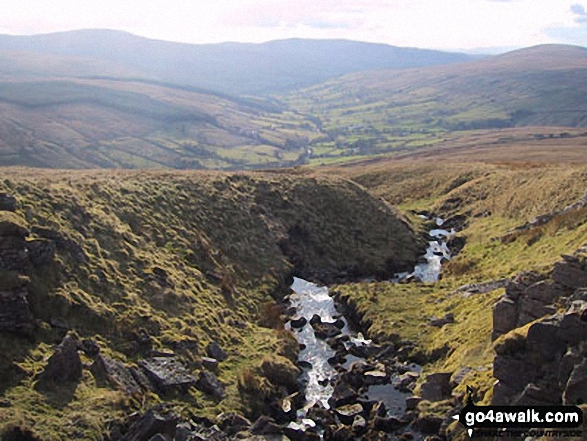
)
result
[(353, 387)]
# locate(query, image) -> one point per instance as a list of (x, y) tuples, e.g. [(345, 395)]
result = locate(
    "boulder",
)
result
[(298, 323), (65, 364), (215, 351), (40, 251), (157, 420), (7, 202), (115, 373), (15, 313), (13, 253), (281, 372), (209, 384), (347, 412), (167, 373), (12, 225), (505, 315), (232, 423), (209, 363), (575, 392), (436, 387)]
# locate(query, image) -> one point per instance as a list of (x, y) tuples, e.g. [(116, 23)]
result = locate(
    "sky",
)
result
[(471, 25)]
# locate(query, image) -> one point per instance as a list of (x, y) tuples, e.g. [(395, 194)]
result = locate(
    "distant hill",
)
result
[(236, 68), (114, 123), (375, 112)]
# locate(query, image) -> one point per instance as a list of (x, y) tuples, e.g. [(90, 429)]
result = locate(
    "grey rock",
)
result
[(115, 373), (157, 420), (7, 202), (41, 251), (504, 317), (209, 363), (15, 313), (215, 351), (436, 387), (64, 365), (209, 384), (576, 388), (412, 402), (167, 373)]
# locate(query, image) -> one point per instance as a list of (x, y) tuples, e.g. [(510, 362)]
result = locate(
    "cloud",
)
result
[(580, 12)]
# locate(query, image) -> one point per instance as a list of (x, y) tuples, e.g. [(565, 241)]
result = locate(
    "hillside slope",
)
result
[(237, 68), (117, 123), (140, 265), (375, 112)]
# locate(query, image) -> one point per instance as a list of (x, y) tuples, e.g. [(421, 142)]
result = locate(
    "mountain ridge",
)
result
[(236, 68)]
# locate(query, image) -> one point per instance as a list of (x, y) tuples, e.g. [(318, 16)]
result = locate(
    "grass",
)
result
[(189, 258), (494, 198)]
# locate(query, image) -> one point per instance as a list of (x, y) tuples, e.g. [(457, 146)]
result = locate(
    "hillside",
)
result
[(117, 123), (135, 265), (236, 68), (378, 112)]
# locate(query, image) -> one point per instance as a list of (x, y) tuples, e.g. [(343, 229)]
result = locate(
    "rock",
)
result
[(458, 377), (534, 395), (13, 253), (543, 337), (160, 437), (436, 387), (167, 373), (64, 365), (209, 363), (388, 424), (326, 330), (359, 424), (209, 384), (12, 225), (315, 320), (40, 251), (157, 420), (15, 313), (116, 373), (298, 323), (141, 379), (215, 351), (375, 377), (412, 402), (347, 413), (342, 394), (504, 317), (571, 275), (232, 423), (339, 432), (89, 347), (320, 415), (575, 392), (440, 322), (428, 424), (7, 202), (281, 372), (266, 426)]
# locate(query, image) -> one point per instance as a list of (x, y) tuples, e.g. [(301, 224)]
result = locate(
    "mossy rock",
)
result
[(12, 224)]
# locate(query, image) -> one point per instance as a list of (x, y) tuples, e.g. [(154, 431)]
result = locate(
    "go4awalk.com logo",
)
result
[(521, 421)]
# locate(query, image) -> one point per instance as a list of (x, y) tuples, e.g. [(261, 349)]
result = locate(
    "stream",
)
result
[(315, 310)]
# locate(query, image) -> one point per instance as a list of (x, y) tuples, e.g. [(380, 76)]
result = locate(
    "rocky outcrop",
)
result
[(64, 365), (541, 353), (530, 296), (117, 374), (15, 314), (167, 373)]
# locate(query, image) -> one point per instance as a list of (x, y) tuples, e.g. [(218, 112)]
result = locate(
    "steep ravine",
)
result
[(354, 388), (155, 293)]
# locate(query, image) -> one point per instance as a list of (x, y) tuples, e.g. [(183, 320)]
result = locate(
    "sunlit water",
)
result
[(310, 299)]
